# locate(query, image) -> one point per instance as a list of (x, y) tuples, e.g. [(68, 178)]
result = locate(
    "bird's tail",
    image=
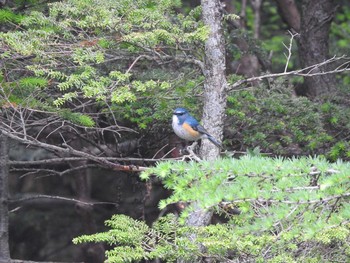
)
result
[(214, 141)]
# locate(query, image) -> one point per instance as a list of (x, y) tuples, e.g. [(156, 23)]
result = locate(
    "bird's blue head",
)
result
[(181, 114), (180, 111)]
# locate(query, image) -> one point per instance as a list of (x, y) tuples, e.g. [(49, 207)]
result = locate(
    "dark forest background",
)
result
[(87, 90)]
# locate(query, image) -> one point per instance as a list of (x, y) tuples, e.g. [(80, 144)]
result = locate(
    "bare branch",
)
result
[(289, 48), (68, 150), (30, 171), (55, 161), (132, 65), (305, 72), (29, 261), (58, 198), (192, 155)]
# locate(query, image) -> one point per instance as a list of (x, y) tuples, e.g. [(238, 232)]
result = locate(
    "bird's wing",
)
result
[(214, 141), (190, 124), (202, 130), (193, 123)]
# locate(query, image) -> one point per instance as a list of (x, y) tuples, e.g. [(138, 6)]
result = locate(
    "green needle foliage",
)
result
[(7, 16), (77, 118), (291, 210), (273, 119), (123, 57)]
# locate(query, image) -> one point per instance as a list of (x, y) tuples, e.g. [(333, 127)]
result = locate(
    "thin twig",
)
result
[(289, 48), (60, 198)]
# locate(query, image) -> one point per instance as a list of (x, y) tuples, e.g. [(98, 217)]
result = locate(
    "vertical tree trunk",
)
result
[(215, 84), (256, 4), (4, 245), (316, 19), (92, 252), (289, 13), (248, 65)]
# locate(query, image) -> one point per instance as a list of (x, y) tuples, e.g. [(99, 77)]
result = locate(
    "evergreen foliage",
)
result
[(7, 16), (82, 52), (87, 50), (76, 118), (98, 63), (272, 118), (291, 210)]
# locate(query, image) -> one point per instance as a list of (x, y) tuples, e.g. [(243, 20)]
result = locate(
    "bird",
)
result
[(188, 128)]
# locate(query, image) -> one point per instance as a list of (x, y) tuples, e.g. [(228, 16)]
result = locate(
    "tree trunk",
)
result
[(93, 252), (290, 14), (248, 65), (214, 96), (215, 84), (4, 220), (316, 19)]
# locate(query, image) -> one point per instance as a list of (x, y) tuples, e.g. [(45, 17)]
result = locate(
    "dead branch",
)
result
[(55, 161), (58, 198), (289, 48), (30, 171), (68, 150), (29, 261), (309, 71)]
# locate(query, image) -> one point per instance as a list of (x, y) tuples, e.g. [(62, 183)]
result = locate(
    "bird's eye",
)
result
[(179, 113)]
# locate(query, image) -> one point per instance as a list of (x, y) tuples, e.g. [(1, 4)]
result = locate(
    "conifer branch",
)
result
[(300, 202)]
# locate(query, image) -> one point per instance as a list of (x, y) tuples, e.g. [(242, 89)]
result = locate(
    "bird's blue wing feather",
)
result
[(192, 121), (201, 129), (214, 141), (197, 127)]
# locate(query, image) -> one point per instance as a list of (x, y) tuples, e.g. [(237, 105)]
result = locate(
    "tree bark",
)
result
[(316, 19), (215, 84), (256, 4), (4, 220), (289, 13), (93, 252), (248, 65)]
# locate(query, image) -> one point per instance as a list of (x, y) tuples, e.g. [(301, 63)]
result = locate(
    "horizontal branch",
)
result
[(304, 72), (29, 261), (300, 202), (54, 161), (58, 198), (161, 58), (30, 171), (68, 150)]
